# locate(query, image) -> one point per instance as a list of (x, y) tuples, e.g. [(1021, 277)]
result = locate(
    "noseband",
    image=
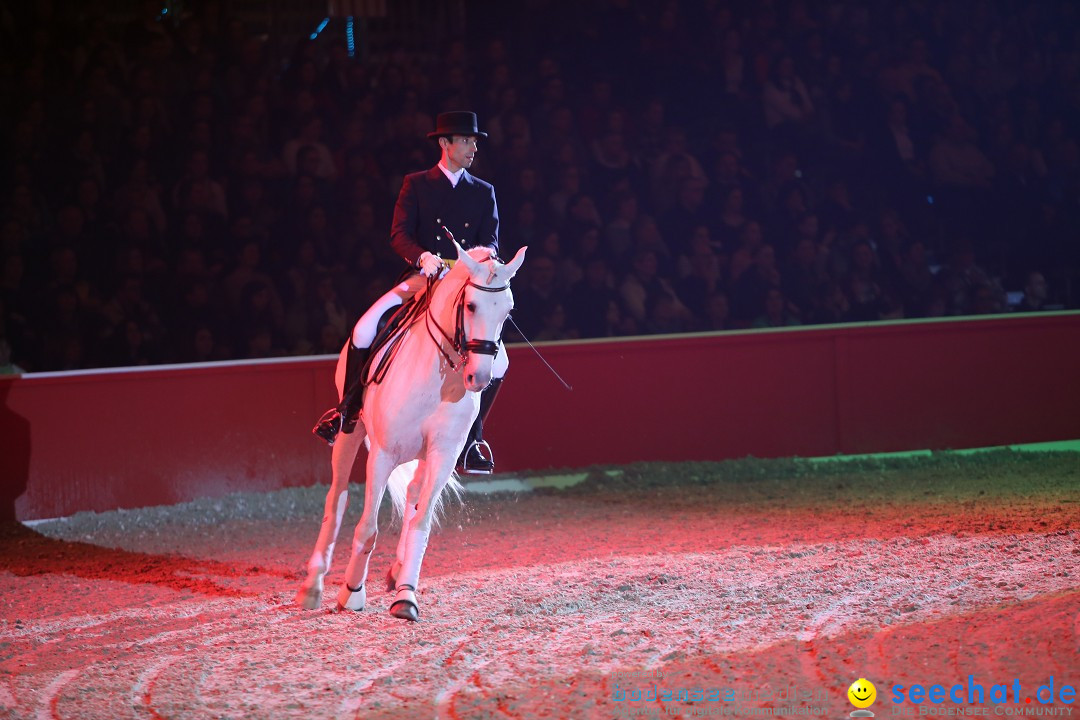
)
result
[(461, 344)]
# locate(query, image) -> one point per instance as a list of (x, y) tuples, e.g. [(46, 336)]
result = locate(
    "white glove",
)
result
[(429, 264)]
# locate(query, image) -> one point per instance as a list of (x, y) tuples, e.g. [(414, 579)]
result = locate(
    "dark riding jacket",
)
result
[(428, 201)]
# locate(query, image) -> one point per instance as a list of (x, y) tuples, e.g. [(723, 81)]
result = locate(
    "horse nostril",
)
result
[(469, 379)]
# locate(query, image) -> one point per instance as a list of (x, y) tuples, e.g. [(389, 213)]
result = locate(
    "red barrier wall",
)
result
[(806, 392), (135, 437)]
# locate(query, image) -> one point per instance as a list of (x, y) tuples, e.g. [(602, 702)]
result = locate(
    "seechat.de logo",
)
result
[(862, 695)]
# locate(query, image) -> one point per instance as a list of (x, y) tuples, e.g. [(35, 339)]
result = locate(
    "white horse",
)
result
[(417, 415)]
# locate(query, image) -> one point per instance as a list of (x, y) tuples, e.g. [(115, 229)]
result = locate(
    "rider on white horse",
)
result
[(433, 208)]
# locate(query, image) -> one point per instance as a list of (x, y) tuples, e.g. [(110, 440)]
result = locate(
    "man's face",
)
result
[(458, 151), (1037, 287)]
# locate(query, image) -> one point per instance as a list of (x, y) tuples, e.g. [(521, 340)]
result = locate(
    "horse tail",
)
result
[(398, 485), (452, 486)]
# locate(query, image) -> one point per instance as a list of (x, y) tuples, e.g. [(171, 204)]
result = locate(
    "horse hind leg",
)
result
[(354, 597), (353, 594), (343, 456)]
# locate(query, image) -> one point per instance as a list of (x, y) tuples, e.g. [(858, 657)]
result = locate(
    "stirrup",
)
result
[(329, 425), (486, 463), (333, 422)]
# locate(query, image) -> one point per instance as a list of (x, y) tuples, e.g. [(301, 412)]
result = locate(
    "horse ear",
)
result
[(462, 256), (515, 264)]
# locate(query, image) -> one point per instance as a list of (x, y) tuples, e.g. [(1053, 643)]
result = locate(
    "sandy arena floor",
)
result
[(775, 583)]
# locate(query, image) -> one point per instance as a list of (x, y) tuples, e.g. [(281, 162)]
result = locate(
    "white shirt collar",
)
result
[(453, 177)]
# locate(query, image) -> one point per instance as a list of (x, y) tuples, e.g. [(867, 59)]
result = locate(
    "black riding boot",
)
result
[(476, 458), (343, 418)]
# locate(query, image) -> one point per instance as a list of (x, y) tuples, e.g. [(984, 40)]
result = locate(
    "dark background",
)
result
[(182, 182)]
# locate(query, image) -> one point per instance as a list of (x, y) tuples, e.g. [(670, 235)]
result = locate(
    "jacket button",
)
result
[(438, 220), (466, 224)]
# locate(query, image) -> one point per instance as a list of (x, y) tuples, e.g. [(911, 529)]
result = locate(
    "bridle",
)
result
[(420, 305), (458, 341)]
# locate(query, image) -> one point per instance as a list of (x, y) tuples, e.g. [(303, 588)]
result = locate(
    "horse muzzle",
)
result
[(476, 379)]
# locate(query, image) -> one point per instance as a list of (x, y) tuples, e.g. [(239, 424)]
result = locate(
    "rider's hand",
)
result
[(429, 264)]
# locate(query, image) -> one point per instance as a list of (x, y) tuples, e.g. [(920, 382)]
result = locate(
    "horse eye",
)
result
[(471, 307)]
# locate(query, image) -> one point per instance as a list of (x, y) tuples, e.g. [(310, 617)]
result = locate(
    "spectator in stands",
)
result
[(667, 315), (831, 305), (705, 277), (588, 301), (307, 154), (582, 214), (197, 190), (1036, 293), (732, 219), (785, 99), (785, 174), (742, 257), (965, 281), (569, 186), (260, 320), (554, 325), (845, 114), (535, 290), (689, 212), (900, 152), (837, 210), (916, 280), (748, 292), (673, 164), (614, 165), (735, 74), (728, 173), (701, 245), (866, 286), (161, 140), (803, 274), (956, 162), (648, 138), (717, 313), (618, 239), (647, 236), (777, 312), (643, 285)]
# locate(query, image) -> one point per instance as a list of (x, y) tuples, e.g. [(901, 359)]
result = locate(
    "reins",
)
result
[(410, 312)]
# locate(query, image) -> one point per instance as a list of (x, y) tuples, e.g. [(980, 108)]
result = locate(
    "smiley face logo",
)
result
[(862, 693)]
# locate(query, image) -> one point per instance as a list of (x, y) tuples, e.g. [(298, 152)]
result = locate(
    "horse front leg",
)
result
[(343, 457), (353, 595), (412, 497), (416, 535)]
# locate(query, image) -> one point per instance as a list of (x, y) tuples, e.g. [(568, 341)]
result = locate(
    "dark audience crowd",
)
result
[(184, 188)]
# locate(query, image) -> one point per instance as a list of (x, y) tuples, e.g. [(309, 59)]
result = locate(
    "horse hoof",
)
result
[(309, 597), (404, 605), (349, 599), (405, 609)]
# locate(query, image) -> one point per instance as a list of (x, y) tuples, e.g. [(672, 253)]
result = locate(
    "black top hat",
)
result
[(458, 122)]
